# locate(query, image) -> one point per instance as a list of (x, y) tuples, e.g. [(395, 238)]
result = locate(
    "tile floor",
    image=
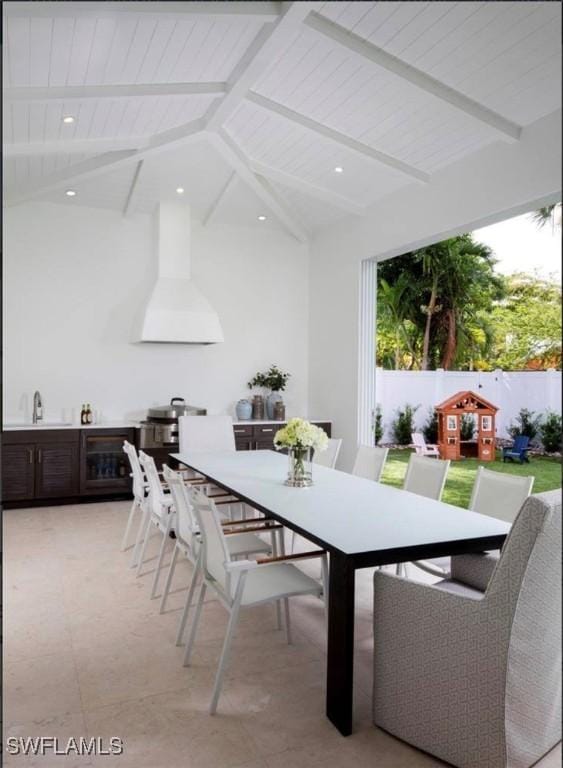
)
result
[(86, 653)]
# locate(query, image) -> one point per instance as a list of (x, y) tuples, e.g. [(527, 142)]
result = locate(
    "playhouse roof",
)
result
[(466, 400)]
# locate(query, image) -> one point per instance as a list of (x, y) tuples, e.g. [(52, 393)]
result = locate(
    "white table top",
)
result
[(341, 511)]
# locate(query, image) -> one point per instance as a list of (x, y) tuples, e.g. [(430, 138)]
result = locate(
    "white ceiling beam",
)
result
[(268, 45), (340, 138), (232, 153), (259, 11), (313, 190), (207, 219), (110, 161), (79, 92), (72, 146), (133, 193), (88, 169), (424, 82)]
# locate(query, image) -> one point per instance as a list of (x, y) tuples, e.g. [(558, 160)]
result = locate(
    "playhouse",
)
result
[(450, 412)]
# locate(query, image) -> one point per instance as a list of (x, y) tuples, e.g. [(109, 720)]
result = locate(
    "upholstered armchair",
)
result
[(469, 669)]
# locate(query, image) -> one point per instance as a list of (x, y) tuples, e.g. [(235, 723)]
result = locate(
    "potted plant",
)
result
[(274, 380)]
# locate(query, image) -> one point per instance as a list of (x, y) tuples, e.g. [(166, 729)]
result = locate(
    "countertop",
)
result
[(13, 426)]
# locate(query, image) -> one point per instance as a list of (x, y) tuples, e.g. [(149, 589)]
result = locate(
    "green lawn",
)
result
[(461, 475)]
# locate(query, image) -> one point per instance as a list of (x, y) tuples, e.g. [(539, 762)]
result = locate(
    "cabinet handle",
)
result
[(267, 430), (30, 454), (239, 431), (39, 455)]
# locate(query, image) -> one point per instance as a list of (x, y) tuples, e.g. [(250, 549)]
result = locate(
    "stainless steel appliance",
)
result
[(160, 429)]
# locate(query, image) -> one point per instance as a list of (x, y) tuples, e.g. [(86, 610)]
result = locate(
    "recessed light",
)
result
[(261, 218), (68, 119), (339, 169), (180, 190), (70, 193)]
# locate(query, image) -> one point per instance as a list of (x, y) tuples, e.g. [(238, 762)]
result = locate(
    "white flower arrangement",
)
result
[(299, 433)]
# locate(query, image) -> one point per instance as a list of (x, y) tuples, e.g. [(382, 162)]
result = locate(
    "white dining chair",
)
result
[(369, 462), (243, 583), (425, 477), (206, 433), (140, 489), (159, 514), (244, 543), (499, 495), (423, 448), (328, 457)]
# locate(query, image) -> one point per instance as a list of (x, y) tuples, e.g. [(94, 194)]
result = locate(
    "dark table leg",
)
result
[(340, 665)]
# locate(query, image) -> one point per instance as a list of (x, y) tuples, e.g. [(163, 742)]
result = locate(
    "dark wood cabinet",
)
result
[(258, 437), (39, 464), (18, 471), (56, 470)]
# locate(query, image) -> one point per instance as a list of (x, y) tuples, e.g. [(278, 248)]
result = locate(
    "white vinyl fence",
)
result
[(509, 391)]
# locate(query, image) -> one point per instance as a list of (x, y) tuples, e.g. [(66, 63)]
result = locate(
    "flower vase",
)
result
[(271, 400), (300, 468)]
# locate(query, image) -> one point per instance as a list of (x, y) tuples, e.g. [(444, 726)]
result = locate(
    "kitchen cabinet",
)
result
[(18, 471), (256, 437), (64, 465), (39, 464)]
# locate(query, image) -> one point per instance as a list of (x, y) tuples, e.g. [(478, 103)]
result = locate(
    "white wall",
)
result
[(502, 180), (74, 280), (510, 391)]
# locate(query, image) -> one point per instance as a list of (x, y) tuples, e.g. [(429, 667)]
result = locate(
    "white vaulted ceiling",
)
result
[(250, 106)]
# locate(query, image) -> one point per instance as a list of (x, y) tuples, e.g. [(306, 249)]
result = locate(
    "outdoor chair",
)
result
[(518, 450), (423, 448), (469, 669)]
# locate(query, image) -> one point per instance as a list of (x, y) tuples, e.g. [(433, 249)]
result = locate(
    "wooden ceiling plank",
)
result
[(259, 11), (341, 138), (312, 190), (502, 127), (132, 195), (81, 92), (236, 158)]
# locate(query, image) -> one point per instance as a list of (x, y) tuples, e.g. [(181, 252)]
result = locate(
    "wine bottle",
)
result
[(83, 414), (88, 414)]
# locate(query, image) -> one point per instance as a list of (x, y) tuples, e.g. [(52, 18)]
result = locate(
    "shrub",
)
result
[(467, 426), (403, 425), (378, 424), (430, 428), (527, 423), (550, 432)]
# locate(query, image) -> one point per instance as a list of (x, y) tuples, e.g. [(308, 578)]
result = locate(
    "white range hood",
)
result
[(177, 312)]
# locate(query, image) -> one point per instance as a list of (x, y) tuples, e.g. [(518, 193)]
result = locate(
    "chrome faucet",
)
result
[(37, 407)]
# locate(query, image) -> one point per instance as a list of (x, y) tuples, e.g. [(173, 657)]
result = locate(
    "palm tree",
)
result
[(394, 304), (547, 213)]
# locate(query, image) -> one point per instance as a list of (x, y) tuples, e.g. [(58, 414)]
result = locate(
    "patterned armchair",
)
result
[(469, 669)]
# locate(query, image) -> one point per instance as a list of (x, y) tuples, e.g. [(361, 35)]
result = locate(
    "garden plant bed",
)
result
[(461, 475)]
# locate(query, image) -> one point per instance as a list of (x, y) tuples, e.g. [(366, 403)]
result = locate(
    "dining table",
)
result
[(361, 523)]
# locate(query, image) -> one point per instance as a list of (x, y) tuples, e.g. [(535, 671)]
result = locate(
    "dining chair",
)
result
[(469, 669), (159, 513), (209, 433), (243, 583), (370, 461), (499, 495), (494, 494), (140, 488), (328, 457), (425, 477), (245, 542)]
